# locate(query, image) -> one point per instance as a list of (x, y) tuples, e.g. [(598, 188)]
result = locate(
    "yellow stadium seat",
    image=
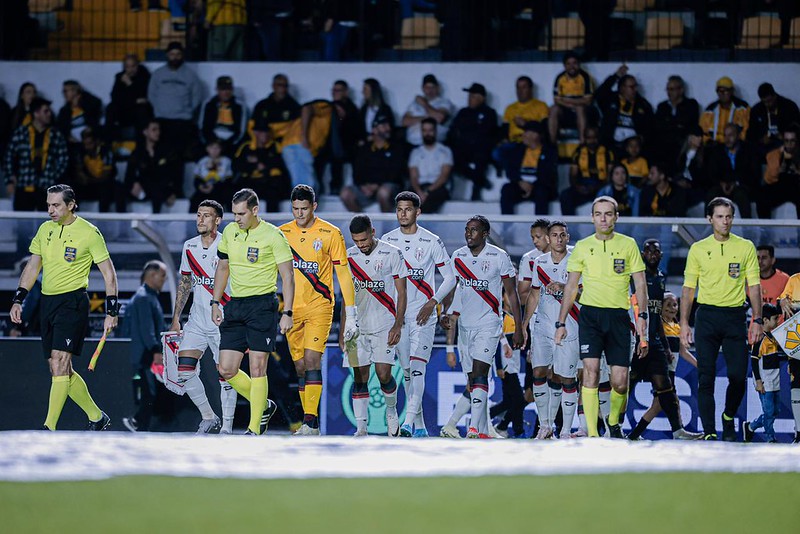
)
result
[(566, 33), (634, 5), (172, 30), (419, 33), (794, 34), (760, 33), (662, 33)]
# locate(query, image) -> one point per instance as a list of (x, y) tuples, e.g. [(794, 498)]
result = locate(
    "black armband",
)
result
[(112, 305), (222, 255), (20, 295)]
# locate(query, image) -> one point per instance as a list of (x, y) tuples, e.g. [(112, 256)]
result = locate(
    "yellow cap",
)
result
[(725, 82)]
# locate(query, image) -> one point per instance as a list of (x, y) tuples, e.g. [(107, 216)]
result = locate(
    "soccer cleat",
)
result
[(209, 426), (640, 438), (747, 432), (420, 433), (472, 433), (249, 432), (484, 436), (392, 423), (545, 432), (269, 411), (500, 432), (306, 430), (580, 433), (360, 432), (494, 434), (614, 431), (709, 436), (225, 431), (102, 424), (566, 434), (684, 434), (796, 437), (44, 427), (728, 430), (773, 440), (130, 423), (406, 431), (449, 431)]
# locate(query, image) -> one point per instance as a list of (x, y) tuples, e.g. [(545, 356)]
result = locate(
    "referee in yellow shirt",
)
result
[(605, 263), (65, 248), (721, 265), (251, 252)]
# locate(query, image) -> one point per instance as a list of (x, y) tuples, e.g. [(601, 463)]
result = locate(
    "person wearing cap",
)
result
[(223, 118), (36, 159), (429, 104), (378, 170), (771, 116), (472, 136), (572, 97), (258, 165), (534, 174), (727, 109), (176, 94), (226, 21), (626, 113), (672, 121)]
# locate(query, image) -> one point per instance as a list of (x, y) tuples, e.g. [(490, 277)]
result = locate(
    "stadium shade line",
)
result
[(43, 456)]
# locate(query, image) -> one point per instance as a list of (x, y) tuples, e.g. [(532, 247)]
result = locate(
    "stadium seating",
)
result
[(760, 33), (634, 5), (419, 33), (794, 34), (662, 33), (566, 33)]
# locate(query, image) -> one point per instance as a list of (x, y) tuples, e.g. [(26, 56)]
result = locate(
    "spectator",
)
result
[(659, 197), (634, 162), (534, 176), (278, 111), (587, 173), (270, 20), (342, 136), (378, 171), (621, 190), (772, 115), (175, 93), (472, 135), (154, 172), (625, 112), (428, 104), (692, 166), (21, 113), (673, 119), (772, 280), (129, 107), (212, 177), (572, 98), (429, 168), (223, 118), (259, 166), (524, 110), (226, 22), (782, 177), (727, 109), (735, 170), (341, 19), (374, 104), (81, 109), (36, 158), (96, 172)]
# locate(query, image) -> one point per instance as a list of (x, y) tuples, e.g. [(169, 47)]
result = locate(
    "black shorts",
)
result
[(64, 321), (655, 363), (250, 323), (605, 330)]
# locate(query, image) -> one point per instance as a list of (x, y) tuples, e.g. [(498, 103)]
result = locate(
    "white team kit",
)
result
[(373, 277), (479, 292)]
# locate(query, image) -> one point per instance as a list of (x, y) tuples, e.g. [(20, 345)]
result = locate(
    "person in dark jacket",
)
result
[(626, 113), (734, 170), (81, 110), (374, 105), (673, 119), (257, 165), (154, 171), (535, 175), (342, 137), (129, 107), (660, 197), (472, 136), (223, 118), (772, 115), (270, 19)]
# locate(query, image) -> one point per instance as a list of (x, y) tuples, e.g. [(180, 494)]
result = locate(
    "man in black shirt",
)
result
[(673, 119), (279, 109), (129, 106), (734, 169), (772, 115), (154, 172)]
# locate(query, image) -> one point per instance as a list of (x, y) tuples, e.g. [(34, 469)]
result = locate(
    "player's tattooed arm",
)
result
[(182, 295)]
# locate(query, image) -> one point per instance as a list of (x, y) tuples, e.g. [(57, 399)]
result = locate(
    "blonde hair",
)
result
[(606, 198)]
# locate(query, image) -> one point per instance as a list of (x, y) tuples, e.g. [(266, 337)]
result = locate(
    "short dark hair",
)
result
[(72, 83), (246, 195), (734, 126), (408, 196), (88, 132), (769, 248), (483, 220), (768, 311), (719, 201), (38, 103), (429, 120), (279, 76), (624, 79), (342, 83), (152, 265), (676, 78), (67, 193), (540, 223), (360, 223), (765, 90), (303, 192), (651, 240), (557, 222), (525, 79), (208, 203), (569, 55)]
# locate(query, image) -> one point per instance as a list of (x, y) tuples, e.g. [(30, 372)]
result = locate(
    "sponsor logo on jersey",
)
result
[(252, 254), (734, 270), (416, 274), (202, 280), (480, 285), (308, 267), (371, 285), (619, 265), (70, 253)]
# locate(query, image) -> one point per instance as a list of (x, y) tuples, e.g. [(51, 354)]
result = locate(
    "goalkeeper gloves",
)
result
[(351, 323)]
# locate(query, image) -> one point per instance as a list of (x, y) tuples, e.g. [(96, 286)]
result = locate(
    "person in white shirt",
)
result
[(429, 168), (423, 254), (429, 104), (379, 276)]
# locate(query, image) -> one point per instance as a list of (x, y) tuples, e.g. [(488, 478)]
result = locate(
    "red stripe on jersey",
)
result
[(439, 265), (198, 270), (318, 285), (381, 296), (421, 285), (490, 299), (574, 312)]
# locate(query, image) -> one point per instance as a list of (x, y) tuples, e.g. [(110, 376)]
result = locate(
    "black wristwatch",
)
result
[(288, 313), (560, 325), (759, 320), (643, 315), (214, 302)]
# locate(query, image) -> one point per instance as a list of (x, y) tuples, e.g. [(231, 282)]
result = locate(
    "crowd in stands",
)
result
[(654, 163)]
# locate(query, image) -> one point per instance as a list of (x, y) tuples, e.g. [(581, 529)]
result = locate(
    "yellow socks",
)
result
[(242, 384), (313, 392), (79, 393), (591, 407), (59, 390), (258, 402), (301, 390)]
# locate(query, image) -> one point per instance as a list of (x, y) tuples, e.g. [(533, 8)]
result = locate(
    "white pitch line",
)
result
[(50, 456)]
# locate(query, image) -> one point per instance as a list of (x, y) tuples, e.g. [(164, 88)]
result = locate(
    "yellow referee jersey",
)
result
[(253, 256), (606, 268), (315, 251), (67, 254), (720, 269)]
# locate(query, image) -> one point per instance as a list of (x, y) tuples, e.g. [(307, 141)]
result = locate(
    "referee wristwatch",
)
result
[(560, 325), (759, 320), (213, 302), (288, 313), (643, 315)]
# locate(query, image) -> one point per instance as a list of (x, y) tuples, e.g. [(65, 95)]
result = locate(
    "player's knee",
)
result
[(227, 372), (540, 372), (384, 375)]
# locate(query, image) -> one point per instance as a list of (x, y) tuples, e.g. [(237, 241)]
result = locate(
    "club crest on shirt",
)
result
[(734, 269), (419, 254), (619, 265), (70, 254), (317, 244), (485, 266), (379, 265), (252, 254)]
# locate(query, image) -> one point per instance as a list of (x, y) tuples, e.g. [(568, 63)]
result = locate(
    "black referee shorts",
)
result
[(605, 330), (250, 323), (655, 363), (64, 321)]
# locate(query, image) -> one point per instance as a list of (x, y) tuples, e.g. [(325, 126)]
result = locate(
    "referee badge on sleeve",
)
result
[(734, 269), (252, 254), (70, 253), (619, 265)]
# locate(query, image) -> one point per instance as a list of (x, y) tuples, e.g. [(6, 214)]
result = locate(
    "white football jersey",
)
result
[(526, 265), (201, 264), (545, 271), (423, 253), (373, 278), (480, 285)]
